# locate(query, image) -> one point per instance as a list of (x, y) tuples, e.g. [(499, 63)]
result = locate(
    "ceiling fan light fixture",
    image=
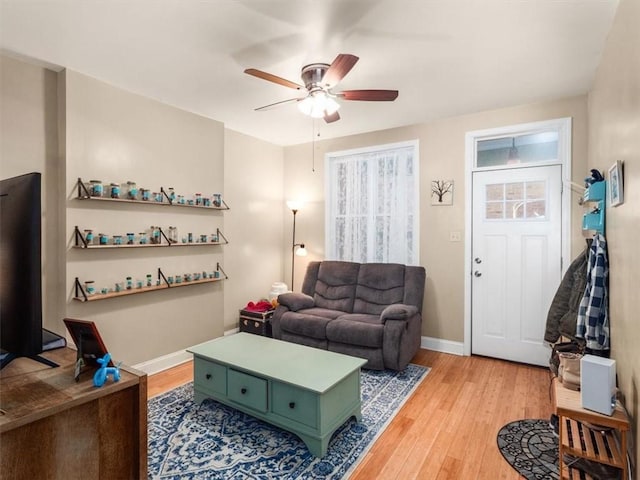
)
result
[(318, 104)]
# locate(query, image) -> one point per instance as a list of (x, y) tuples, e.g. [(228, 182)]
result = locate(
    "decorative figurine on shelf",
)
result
[(595, 177), (103, 372)]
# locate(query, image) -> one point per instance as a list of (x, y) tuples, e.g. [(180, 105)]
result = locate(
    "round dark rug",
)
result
[(531, 448)]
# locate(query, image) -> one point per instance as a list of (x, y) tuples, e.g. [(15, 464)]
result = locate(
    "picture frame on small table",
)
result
[(88, 342)]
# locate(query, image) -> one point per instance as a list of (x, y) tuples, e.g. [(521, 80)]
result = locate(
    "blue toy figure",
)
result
[(103, 372)]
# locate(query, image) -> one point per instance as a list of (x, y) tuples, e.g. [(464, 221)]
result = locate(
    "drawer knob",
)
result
[(292, 404), (243, 390), (208, 376)]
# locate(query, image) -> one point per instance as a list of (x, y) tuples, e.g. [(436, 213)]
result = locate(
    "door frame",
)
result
[(563, 127)]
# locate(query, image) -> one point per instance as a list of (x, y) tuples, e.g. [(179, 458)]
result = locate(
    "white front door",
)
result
[(516, 260)]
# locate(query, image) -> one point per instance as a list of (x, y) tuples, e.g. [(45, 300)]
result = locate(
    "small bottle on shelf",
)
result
[(114, 190), (89, 287), (96, 188), (132, 190), (173, 235)]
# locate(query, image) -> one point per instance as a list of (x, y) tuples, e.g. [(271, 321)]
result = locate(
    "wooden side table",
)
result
[(580, 440)]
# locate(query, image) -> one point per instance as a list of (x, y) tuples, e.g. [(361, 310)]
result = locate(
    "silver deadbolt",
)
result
[(477, 273), (477, 260)]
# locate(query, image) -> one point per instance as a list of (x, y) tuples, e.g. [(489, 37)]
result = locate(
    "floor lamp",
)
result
[(301, 251)]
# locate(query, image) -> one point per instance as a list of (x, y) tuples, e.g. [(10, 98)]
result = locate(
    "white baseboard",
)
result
[(170, 360), (444, 346), (176, 358), (165, 362)]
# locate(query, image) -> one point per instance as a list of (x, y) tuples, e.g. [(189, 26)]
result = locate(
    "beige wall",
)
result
[(442, 155), (614, 134), (67, 126), (113, 135), (253, 179), (29, 143)]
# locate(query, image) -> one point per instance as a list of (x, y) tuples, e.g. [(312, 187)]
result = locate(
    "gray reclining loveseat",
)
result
[(368, 310)]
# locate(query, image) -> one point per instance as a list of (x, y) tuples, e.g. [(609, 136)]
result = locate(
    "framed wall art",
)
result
[(616, 184), (441, 192)]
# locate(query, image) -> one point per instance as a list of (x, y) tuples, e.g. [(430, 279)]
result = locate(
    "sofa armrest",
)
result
[(398, 311), (295, 301)]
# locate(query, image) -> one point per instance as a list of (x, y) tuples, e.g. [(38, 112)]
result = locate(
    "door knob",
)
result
[(477, 260), (477, 273)]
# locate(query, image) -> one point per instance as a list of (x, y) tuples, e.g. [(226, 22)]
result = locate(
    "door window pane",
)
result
[(516, 201)]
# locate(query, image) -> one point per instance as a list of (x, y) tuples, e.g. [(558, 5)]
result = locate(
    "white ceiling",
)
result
[(446, 57)]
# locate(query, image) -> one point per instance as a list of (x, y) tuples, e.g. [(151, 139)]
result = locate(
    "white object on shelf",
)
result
[(598, 384)]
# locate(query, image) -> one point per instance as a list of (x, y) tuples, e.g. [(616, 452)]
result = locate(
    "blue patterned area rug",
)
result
[(214, 441)]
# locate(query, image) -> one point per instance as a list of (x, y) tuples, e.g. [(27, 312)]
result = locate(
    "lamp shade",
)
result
[(301, 252), (294, 205), (318, 104)]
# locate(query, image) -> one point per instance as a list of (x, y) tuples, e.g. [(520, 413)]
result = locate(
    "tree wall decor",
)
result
[(442, 192)]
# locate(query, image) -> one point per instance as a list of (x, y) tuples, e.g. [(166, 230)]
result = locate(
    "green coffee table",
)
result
[(304, 390)]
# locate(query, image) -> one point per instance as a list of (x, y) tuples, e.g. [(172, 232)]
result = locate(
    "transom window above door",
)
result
[(518, 149)]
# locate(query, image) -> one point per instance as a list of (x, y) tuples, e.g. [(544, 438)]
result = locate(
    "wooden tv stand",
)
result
[(52, 427)]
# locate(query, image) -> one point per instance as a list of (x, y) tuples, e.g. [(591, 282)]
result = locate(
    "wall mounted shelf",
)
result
[(84, 194), (594, 199), (82, 295), (82, 243)]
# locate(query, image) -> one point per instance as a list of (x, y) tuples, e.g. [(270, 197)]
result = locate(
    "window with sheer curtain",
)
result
[(372, 208)]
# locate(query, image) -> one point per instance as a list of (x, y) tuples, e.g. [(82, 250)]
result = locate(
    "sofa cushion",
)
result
[(305, 324), (322, 312), (356, 329), (379, 285), (335, 287), (295, 301), (398, 311)]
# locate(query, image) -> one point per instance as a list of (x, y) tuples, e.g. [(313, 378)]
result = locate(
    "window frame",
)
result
[(330, 208)]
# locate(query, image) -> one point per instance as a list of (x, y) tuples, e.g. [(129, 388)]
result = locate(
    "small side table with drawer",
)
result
[(258, 323)]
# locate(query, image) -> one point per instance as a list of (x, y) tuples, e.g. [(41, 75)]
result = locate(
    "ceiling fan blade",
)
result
[(342, 65), (282, 102), (334, 117), (369, 95), (273, 78)]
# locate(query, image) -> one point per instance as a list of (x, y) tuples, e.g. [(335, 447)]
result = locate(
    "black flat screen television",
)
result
[(20, 268)]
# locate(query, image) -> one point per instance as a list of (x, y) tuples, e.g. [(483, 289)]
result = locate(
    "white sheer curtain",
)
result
[(372, 205)]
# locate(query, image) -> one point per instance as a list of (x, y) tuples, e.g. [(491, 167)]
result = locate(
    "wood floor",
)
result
[(447, 429)]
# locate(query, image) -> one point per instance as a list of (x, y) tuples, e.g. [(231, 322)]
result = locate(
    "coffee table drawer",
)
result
[(210, 376), (247, 390), (295, 403)]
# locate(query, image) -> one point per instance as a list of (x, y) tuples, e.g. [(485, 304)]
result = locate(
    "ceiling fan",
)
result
[(319, 80)]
